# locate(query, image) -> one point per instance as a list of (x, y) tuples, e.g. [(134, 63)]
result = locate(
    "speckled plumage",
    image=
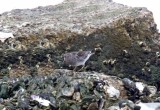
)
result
[(77, 58)]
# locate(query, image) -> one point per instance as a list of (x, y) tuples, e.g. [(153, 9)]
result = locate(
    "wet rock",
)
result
[(139, 90), (93, 106), (67, 91), (113, 108), (130, 85), (140, 86), (41, 100), (24, 104), (85, 90), (152, 90), (4, 91), (83, 25), (125, 41), (157, 99), (1, 100), (101, 104)]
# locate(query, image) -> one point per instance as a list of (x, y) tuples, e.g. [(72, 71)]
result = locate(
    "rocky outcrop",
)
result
[(124, 35), (125, 39), (65, 90)]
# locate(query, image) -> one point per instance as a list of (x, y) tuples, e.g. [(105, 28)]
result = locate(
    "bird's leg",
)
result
[(74, 71), (75, 68), (81, 68)]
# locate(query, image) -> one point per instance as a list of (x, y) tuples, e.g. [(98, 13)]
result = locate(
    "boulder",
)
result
[(124, 34)]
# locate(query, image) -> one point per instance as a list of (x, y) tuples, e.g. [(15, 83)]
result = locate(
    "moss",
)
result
[(122, 33), (155, 74)]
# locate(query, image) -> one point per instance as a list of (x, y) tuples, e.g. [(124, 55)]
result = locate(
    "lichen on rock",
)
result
[(125, 41)]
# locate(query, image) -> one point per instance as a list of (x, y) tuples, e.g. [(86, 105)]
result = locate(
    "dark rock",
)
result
[(126, 36), (105, 26), (23, 103), (4, 91)]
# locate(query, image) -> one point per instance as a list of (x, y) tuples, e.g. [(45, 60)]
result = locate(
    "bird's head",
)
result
[(65, 56)]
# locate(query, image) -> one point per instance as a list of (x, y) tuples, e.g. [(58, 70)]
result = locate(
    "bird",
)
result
[(77, 58), (45, 68), (18, 70), (140, 105)]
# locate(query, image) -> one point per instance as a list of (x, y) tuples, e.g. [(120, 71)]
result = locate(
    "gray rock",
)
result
[(68, 91), (126, 36), (89, 25)]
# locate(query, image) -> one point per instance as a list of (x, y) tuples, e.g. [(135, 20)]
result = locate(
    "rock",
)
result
[(112, 92), (125, 41), (23, 103), (85, 90), (60, 89), (140, 86), (129, 84), (113, 108), (101, 104), (4, 36), (153, 90), (93, 106), (42, 101), (114, 29), (4, 91), (77, 96), (157, 99), (67, 91)]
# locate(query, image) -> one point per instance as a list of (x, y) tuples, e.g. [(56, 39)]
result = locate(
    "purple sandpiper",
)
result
[(78, 58)]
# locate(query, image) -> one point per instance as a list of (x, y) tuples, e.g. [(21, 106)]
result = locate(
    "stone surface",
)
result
[(127, 35), (125, 39), (64, 90), (60, 89)]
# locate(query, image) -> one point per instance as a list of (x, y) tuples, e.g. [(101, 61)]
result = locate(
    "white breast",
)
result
[(83, 61)]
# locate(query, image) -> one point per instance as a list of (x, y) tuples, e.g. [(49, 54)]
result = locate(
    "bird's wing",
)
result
[(81, 55)]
